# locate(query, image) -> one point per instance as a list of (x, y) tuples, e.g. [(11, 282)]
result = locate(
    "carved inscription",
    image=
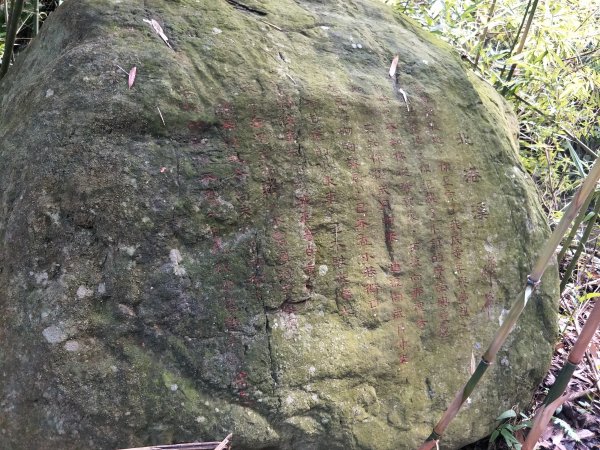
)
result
[(385, 224)]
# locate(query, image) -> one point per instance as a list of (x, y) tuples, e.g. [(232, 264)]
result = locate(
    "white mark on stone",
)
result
[(200, 419), (41, 278), (288, 322), (83, 292), (323, 269), (289, 400), (54, 334), (72, 346), (176, 258), (128, 249), (55, 217), (101, 289), (126, 310), (217, 30), (49, 93), (312, 370), (173, 387), (504, 361), (502, 316)]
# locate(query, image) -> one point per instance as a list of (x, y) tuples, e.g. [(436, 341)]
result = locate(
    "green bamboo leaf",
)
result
[(495, 435), (508, 437), (575, 159), (587, 296), (508, 414)]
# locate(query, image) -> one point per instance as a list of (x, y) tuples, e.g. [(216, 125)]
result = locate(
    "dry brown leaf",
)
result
[(132, 74), (403, 92), (158, 29), (393, 66), (585, 434)]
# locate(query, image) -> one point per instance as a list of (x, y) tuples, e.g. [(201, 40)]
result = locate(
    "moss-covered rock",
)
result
[(267, 234)]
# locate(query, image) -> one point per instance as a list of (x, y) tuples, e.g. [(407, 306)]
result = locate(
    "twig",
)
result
[(290, 77), (270, 24), (161, 116), (124, 71)]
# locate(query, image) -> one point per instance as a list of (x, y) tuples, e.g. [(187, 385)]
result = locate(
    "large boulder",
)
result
[(266, 234)]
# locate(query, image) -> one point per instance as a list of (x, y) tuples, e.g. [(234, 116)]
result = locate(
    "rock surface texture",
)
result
[(267, 234)]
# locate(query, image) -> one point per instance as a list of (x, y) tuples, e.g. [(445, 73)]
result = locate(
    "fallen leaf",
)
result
[(132, 73), (158, 29), (403, 92), (473, 363), (585, 434), (393, 66)]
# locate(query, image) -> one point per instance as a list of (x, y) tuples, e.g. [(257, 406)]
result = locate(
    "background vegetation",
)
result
[(544, 57)]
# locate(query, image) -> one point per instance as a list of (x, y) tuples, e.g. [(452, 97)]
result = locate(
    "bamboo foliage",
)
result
[(553, 47)]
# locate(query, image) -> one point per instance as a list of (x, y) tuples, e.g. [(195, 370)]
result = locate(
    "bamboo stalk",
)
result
[(509, 322), (514, 44), (581, 246), (574, 228), (225, 443), (521, 42), (36, 17), (578, 200), (562, 380), (11, 34), (484, 34), (188, 446)]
